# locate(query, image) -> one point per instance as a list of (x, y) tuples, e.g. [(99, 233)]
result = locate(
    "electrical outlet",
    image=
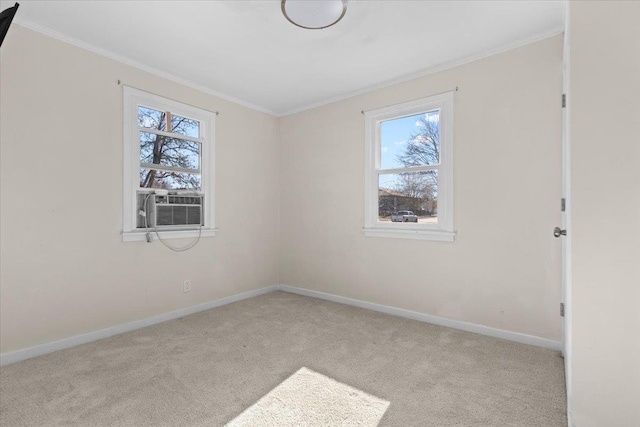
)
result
[(186, 287)]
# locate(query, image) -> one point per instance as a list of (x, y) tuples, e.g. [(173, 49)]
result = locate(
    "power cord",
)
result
[(173, 248)]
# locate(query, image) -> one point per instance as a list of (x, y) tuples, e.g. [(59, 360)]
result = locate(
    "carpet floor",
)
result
[(206, 368)]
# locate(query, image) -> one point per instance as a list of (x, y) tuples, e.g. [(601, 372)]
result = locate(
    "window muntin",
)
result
[(409, 167), (169, 146)]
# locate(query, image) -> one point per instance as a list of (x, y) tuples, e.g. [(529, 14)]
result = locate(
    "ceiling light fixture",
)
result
[(314, 14)]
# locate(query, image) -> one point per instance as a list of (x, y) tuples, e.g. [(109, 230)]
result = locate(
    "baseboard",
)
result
[(39, 350), (455, 324)]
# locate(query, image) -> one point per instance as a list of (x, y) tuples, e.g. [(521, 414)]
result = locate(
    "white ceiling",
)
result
[(247, 51)]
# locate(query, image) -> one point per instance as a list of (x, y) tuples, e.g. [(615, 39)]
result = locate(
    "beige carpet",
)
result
[(205, 369), (309, 399)]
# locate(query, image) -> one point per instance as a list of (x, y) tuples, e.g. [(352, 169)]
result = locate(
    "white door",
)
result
[(565, 226)]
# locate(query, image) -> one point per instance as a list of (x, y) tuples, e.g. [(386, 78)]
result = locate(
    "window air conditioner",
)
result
[(177, 211)]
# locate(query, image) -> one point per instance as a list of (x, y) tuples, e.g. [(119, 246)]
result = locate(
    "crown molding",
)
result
[(136, 64), (426, 72)]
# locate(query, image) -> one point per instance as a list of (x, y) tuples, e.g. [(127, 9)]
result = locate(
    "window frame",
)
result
[(444, 229), (132, 98)]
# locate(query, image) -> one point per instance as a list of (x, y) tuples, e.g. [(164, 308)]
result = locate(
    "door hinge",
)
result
[(564, 100), (563, 204), (561, 309)]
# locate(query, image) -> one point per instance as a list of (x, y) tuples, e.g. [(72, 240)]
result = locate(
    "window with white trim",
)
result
[(168, 168), (409, 170)]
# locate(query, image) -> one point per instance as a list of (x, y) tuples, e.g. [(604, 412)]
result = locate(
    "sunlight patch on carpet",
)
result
[(310, 399)]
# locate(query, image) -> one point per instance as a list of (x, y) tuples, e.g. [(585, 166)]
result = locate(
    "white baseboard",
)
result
[(39, 350), (455, 324)]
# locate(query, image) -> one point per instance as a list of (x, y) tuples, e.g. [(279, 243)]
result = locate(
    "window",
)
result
[(409, 170), (168, 146)]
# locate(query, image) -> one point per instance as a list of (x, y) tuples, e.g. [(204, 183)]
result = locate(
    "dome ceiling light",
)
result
[(314, 14)]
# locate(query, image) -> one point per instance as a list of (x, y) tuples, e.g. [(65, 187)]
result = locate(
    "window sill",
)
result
[(140, 236), (435, 235)]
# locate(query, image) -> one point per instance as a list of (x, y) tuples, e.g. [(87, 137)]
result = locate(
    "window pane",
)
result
[(410, 141), (162, 150), (152, 119), (151, 178), (416, 192), (185, 126)]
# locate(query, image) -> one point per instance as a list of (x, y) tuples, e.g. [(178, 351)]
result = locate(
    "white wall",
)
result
[(604, 102), (503, 271), (64, 268)]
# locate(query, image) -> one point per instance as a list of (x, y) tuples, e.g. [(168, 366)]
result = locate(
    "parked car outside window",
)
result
[(404, 216)]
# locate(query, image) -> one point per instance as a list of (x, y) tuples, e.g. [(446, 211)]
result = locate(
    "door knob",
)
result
[(557, 232)]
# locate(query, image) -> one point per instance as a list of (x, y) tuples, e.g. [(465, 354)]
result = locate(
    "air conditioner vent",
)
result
[(178, 200), (177, 215), (171, 211)]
